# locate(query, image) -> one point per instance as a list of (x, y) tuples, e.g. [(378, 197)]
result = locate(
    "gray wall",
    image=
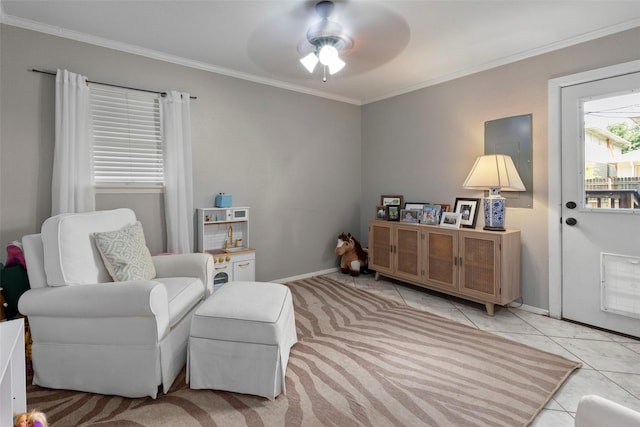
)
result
[(423, 144), (251, 140), (293, 158)]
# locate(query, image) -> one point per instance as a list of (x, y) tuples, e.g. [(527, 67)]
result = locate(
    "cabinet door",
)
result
[(380, 235), (480, 269), (244, 271), (408, 252), (441, 260)]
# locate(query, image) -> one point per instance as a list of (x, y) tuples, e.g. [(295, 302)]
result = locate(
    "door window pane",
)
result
[(612, 152)]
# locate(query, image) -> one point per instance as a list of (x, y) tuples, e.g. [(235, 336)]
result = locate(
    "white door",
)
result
[(600, 207)]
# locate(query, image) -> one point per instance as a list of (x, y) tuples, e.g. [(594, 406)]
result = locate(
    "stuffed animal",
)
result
[(30, 419), (353, 256)]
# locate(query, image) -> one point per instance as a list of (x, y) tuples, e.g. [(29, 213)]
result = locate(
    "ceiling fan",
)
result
[(326, 39)]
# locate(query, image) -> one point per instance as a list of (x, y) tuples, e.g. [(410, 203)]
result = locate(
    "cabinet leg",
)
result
[(490, 308), (377, 276)]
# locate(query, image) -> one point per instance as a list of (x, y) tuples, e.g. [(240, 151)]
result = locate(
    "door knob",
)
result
[(571, 221), (571, 205)]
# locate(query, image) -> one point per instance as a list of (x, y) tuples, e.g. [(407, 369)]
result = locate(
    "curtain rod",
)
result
[(51, 73)]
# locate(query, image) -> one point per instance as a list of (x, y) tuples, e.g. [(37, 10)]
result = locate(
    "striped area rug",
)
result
[(361, 360)]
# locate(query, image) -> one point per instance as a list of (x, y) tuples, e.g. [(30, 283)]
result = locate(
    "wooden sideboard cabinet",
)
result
[(396, 249), (478, 265)]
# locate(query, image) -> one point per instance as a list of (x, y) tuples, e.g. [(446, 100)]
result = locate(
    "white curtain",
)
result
[(178, 180), (72, 181)]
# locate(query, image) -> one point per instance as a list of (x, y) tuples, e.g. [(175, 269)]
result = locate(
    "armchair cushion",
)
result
[(70, 253), (125, 253)]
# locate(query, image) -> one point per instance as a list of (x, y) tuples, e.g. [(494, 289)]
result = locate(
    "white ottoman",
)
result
[(240, 339)]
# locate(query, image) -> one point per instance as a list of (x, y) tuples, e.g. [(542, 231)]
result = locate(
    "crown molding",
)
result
[(149, 53), (160, 56), (513, 58)]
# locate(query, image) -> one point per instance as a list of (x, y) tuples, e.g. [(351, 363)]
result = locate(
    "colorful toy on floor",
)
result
[(30, 419), (353, 256), (21, 420)]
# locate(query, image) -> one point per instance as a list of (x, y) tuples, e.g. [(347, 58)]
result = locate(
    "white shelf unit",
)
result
[(232, 260), (13, 382), (214, 223)]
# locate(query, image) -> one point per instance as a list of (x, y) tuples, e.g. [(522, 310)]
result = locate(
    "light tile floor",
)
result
[(611, 363)]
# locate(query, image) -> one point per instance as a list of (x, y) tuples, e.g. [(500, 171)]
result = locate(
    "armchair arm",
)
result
[(198, 265), (135, 311), (113, 299)]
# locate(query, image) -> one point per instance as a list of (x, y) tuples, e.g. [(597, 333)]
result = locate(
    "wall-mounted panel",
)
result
[(513, 136)]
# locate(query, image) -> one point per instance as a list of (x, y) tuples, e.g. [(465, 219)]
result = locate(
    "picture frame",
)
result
[(393, 212), (409, 215), (381, 212), (450, 219), (468, 210), (387, 200), (417, 206), (445, 207), (431, 214)]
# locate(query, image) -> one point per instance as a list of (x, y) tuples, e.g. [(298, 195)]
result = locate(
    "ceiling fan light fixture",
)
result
[(327, 39), (310, 61)]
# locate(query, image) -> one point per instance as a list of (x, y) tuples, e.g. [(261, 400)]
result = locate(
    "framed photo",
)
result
[(391, 200), (468, 210), (393, 212), (409, 215), (450, 219), (445, 207), (431, 214), (416, 206), (381, 212)]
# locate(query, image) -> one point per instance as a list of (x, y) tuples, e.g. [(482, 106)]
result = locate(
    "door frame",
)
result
[(554, 120)]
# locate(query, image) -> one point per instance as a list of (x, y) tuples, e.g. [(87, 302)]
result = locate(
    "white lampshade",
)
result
[(310, 61), (494, 171)]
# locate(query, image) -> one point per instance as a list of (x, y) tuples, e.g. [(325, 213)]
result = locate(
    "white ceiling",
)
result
[(399, 46)]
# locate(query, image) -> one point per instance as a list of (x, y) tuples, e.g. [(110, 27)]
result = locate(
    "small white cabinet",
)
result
[(224, 233)]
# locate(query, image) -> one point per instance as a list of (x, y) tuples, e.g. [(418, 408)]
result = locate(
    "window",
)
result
[(127, 138), (611, 156)]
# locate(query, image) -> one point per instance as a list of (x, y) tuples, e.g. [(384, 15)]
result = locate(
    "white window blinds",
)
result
[(127, 137)]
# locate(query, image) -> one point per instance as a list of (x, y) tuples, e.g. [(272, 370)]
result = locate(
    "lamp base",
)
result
[(494, 211)]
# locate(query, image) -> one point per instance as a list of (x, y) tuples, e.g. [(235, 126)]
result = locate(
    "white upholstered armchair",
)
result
[(93, 334)]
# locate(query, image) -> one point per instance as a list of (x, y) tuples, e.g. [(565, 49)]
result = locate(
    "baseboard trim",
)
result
[(306, 275), (525, 307)]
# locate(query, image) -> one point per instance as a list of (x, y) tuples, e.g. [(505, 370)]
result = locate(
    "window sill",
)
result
[(130, 190)]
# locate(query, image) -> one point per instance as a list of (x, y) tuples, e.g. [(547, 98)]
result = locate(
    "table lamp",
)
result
[(494, 172)]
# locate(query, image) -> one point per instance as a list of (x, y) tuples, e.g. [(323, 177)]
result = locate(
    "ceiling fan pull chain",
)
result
[(324, 77)]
